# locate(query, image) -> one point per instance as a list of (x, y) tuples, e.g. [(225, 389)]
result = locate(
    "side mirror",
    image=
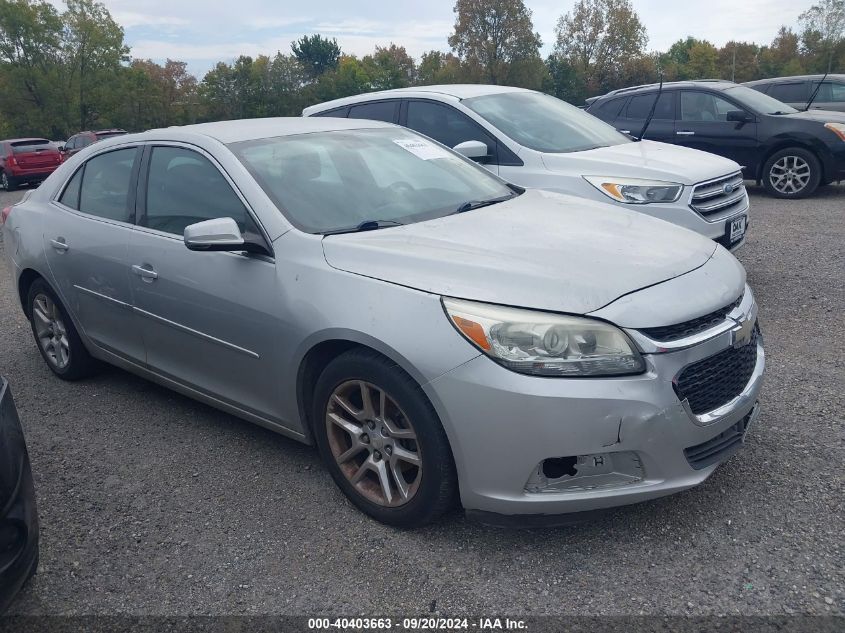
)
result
[(220, 234), (738, 116), (61, 148), (475, 150)]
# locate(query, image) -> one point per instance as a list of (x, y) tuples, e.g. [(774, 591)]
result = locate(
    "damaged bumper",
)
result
[(544, 446)]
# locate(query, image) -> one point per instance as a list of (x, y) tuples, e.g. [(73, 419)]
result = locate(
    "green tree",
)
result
[(783, 56), (349, 78), (739, 61), (702, 61), (93, 50), (824, 31), (596, 39), (390, 67), (492, 35), (317, 54), (436, 67)]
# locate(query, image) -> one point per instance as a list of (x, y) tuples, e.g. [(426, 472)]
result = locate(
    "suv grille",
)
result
[(718, 448), (669, 333), (713, 202), (714, 381)]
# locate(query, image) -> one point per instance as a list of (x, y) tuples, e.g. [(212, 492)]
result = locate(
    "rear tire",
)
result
[(7, 183), (382, 440), (55, 335), (792, 173)]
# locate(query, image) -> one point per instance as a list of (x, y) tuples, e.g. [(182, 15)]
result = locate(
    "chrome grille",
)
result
[(712, 201), (678, 331)]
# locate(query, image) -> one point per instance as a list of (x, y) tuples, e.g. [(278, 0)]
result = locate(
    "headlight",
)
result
[(837, 128), (545, 344), (636, 191)]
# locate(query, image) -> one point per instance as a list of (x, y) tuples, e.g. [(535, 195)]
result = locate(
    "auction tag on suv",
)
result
[(422, 148)]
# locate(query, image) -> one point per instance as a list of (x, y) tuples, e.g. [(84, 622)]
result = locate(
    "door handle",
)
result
[(59, 244), (147, 274), (685, 133), (625, 131)]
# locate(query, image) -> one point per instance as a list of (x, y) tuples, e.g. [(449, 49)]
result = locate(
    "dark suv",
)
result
[(26, 160), (796, 91), (789, 151), (81, 140)]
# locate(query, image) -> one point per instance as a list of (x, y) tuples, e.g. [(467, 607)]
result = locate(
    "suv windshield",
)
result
[(543, 123), (759, 102), (334, 181)]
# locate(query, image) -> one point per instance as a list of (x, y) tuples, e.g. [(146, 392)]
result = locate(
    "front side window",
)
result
[(105, 185), (544, 123), (704, 107), (640, 106), (334, 181), (184, 187), (375, 111), (446, 125)]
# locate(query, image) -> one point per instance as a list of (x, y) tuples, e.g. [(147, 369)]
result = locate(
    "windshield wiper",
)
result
[(477, 204), (366, 225)]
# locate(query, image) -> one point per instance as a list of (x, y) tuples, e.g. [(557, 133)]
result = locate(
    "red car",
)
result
[(81, 140), (26, 160)]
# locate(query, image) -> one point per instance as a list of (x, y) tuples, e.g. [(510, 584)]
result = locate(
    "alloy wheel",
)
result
[(373, 443), (50, 331), (790, 175)]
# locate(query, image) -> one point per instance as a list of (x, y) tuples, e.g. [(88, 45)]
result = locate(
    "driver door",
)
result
[(207, 318)]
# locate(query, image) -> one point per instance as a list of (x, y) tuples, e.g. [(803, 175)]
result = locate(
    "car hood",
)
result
[(823, 116), (541, 250), (644, 159)]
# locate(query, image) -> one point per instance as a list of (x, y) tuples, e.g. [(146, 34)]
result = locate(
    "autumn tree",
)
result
[(493, 35), (596, 39), (824, 26), (317, 54), (437, 67), (738, 61)]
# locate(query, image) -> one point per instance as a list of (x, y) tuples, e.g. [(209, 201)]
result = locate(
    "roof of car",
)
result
[(251, 129), (795, 77), (457, 91), (712, 84)]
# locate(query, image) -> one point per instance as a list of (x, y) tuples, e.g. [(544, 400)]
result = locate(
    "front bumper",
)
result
[(18, 514), (502, 425)]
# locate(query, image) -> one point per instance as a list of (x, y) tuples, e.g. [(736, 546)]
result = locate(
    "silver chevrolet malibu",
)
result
[(439, 334)]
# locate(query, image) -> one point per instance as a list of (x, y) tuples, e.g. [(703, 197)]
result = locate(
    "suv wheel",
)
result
[(55, 335), (792, 173), (382, 440), (6, 182)]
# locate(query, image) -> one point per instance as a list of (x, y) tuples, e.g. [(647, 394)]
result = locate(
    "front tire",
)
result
[(55, 335), (793, 172), (382, 440), (7, 183)]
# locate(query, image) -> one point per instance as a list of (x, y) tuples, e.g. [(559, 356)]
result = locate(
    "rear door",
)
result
[(702, 124), (86, 240), (209, 319), (795, 93), (633, 116)]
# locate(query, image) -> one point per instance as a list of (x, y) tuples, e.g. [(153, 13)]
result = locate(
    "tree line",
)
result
[(70, 70)]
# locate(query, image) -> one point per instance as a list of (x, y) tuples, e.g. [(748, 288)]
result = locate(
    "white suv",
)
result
[(535, 140)]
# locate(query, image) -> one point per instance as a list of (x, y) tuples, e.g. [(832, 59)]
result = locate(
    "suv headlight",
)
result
[(635, 190), (837, 128), (545, 344)]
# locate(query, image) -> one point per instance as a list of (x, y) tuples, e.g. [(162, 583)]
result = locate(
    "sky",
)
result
[(203, 32)]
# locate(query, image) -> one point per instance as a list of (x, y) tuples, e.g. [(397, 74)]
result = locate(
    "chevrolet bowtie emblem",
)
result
[(742, 335)]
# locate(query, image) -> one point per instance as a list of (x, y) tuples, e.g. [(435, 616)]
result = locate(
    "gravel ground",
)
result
[(154, 504)]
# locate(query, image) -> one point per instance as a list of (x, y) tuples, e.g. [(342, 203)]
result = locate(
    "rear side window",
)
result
[(790, 93), (608, 110), (376, 111), (70, 197), (640, 106), (183, 188), (334, 112), (26, 147), (105, 185), (830, 92)]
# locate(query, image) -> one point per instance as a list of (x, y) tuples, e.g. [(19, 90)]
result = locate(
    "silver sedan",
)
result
[(441, 335)]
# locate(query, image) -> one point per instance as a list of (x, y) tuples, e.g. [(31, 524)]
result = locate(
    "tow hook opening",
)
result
[(557, 467)]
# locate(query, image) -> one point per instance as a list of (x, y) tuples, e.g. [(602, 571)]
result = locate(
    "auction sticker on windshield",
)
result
[(422, 149)]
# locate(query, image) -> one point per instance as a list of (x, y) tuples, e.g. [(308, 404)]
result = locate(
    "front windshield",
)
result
[(759, 102), (544, 123), (334, 181)]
